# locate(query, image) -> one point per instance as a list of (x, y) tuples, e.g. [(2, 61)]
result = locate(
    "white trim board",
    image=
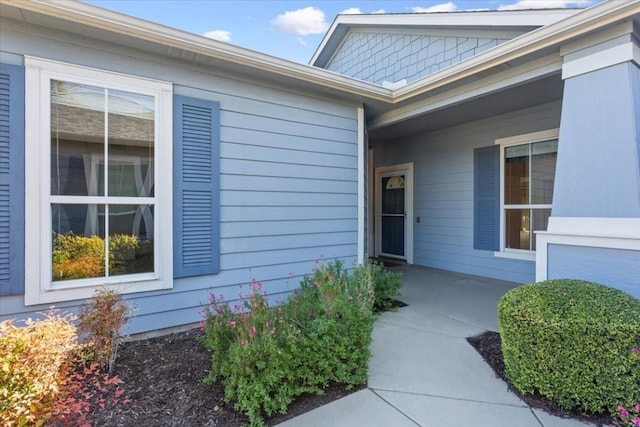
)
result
[(608, 233), (606, 58), (405, 169), (361, 185)]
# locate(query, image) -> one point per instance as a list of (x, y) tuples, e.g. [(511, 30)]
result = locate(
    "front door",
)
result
[(394, 205), (392, 216)]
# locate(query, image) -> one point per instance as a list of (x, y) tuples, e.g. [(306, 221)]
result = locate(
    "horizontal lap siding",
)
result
[(288, 184), (443, 191), (293, 200)]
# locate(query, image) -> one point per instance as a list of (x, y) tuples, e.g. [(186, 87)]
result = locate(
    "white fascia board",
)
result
[(588, 20), (86, 14)]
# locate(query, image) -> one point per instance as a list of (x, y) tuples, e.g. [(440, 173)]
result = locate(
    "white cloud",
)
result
[(351, 11), (443, 7), (302, 21), (357, 11), (220, 35), (544, 4)]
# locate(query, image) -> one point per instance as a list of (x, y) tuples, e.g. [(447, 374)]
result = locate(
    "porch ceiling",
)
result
[(528, 94)]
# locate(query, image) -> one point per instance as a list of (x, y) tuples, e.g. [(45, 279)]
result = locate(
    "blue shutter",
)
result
[(196, 183), (486, 198), (11, 179)]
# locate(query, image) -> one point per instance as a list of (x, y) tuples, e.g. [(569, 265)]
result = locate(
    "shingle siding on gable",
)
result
[(378, 57)]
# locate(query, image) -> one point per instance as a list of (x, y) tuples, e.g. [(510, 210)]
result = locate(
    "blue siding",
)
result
[(288, 177), (11, 179), (595, 178), (376, 57), (443, 190), (617, 268)]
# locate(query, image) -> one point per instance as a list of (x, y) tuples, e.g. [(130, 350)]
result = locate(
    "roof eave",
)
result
[(563, 31), (256, 62)]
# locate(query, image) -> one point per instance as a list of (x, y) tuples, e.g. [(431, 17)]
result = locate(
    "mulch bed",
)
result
[(488, 345), (163, 376)]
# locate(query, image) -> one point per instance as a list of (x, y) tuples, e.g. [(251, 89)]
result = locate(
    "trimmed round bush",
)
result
[(571, 341)]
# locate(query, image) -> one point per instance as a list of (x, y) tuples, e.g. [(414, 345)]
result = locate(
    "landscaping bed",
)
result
[(163, 377)]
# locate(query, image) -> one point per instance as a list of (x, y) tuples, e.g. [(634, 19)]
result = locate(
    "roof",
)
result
[(90, 21)]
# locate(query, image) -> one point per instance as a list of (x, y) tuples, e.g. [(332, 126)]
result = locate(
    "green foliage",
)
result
[(78, 257), (386, 284), (266, 356), (571, 341), (101, 320)]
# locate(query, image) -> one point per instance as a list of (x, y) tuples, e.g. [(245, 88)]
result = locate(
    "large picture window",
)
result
[(528, 175), (102, 140)]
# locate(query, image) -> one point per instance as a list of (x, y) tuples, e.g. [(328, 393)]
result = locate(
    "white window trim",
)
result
[(39, 289), (526, 138)]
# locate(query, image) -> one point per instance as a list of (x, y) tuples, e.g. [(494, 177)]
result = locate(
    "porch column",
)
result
[(594, 229)]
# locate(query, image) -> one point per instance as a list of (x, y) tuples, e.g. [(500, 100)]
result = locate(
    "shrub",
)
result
[(266, 356), (386, 284), (76, 256), (33, 363), (101, 320), (570, 340)]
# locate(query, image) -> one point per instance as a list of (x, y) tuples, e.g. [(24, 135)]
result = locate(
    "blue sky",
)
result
[(292, 29)]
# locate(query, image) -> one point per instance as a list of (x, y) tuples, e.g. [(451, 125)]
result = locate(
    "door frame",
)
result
[(405, 169)]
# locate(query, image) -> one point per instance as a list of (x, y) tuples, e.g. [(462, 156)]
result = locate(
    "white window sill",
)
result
[(519, 255), (49, 296)]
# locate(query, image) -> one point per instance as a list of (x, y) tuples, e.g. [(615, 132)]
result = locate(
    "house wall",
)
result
[(288, 184), (376, 56), (583, 262), (443, 190)]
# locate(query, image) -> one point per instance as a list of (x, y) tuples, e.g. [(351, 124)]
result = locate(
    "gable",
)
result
[(378, 57)]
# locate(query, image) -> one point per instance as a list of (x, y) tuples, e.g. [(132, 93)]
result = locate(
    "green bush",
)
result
[(266, 356), (77, 257), (571, 341), (386, 284)]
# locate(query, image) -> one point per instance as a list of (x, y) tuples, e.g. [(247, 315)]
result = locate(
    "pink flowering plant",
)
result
[(265, 356), (629, 415)]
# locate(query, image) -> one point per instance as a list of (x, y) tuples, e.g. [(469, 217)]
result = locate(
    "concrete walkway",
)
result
[(424, 373)]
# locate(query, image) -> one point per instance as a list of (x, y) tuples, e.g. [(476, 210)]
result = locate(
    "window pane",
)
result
[(518, 231), (78, 242), (130, 239), (77, 138), (393, 195), (516, 175), (131, 144), (540, 222), (543, 171)]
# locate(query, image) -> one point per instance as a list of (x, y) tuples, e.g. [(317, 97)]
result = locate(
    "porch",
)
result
[(424, 373)]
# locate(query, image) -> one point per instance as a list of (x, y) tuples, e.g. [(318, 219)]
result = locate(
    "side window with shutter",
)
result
[(11, 179), (196, 177), (486, 198)]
